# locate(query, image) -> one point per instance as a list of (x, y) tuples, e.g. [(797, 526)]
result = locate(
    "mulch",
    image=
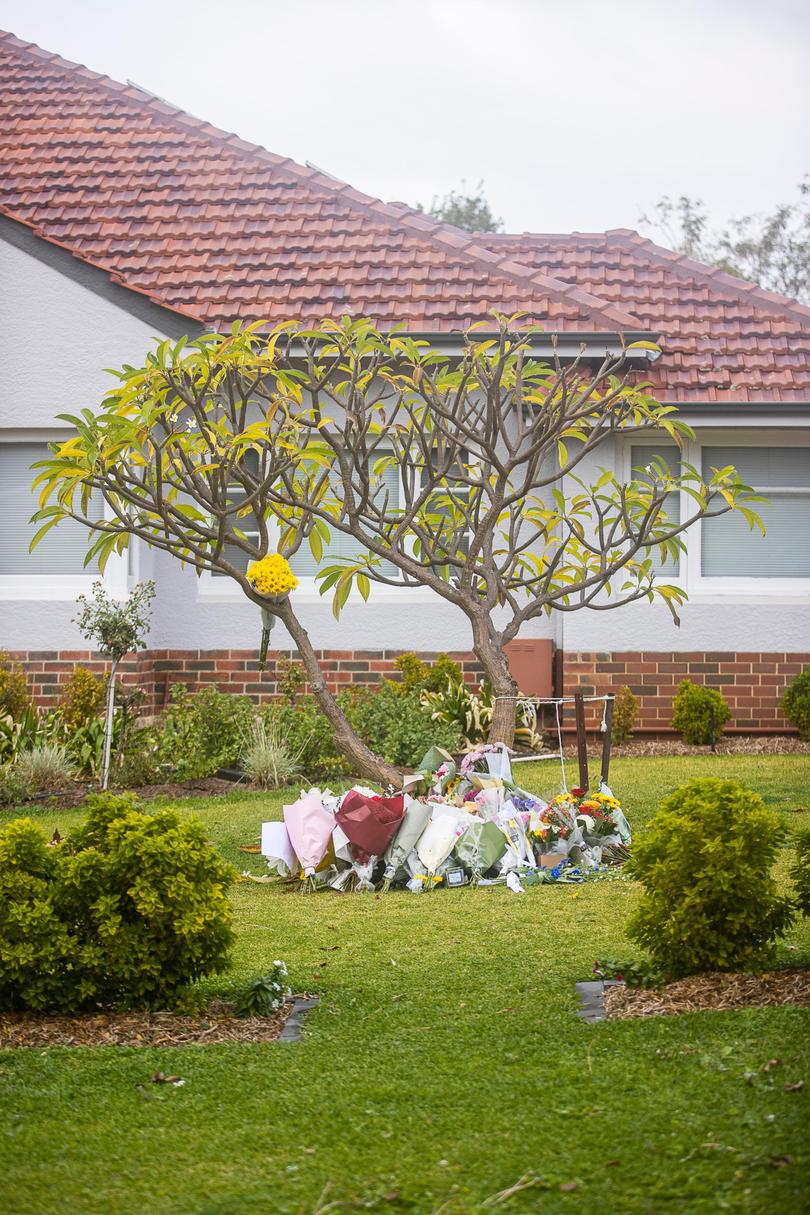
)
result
[(76, 795), (719, 992), (139, 1029)]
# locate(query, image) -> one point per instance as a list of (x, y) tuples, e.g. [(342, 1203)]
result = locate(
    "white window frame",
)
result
[(690, 577), (59, 587)]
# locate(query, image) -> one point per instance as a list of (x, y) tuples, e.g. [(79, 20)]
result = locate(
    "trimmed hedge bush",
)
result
[(129, 909), (709, 901), (692, 716), (796, 704)]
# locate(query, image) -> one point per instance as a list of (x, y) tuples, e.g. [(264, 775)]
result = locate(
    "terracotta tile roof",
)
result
[(216, 228), (724, 339)]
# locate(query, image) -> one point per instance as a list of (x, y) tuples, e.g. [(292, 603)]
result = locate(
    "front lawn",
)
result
[(444, 1062)]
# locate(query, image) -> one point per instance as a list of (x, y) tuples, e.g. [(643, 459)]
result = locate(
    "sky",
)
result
[(576, 114)]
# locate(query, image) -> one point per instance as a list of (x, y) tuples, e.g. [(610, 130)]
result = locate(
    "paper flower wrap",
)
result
[(310, 827), (446, 824), (481, 846), (277, 849), (369, 822), (413, 823)]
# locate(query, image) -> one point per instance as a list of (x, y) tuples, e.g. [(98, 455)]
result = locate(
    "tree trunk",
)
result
[(108, 726), (364, 762), (490, 653)]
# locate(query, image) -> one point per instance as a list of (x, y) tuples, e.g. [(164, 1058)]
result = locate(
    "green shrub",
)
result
[(195, 735), (392, 722), (396, 725), (692, 716), (419, 676), (13, 788), (129, 909), (709, 900), (309, 736), (625, 715), (40, 966), (86, 744), (46, 767), (14, 698), (800, 872), (796, 704), (82, 699)]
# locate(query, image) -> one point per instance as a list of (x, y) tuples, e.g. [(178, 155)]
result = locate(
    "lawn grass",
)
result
[(443, 1063)]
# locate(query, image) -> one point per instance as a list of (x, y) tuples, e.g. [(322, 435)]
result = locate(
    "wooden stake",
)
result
[(607, 741), (582, 741)]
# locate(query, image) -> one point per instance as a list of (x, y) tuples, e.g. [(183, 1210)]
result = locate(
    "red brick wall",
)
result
[(751, 683), (229, 670)]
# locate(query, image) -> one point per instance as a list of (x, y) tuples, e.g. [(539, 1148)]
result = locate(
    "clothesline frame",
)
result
[(579, 700)]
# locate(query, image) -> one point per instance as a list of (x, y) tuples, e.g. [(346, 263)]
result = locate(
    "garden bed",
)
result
[(141, 1028), (75, 797), (702, 993)]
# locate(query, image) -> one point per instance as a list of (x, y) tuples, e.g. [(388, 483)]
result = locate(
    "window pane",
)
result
[(304, 564), (246, 524), (63, 550), (731, 550), (640, 457), (760, 467)]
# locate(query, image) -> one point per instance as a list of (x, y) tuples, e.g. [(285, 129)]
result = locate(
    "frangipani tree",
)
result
[(223, 449)]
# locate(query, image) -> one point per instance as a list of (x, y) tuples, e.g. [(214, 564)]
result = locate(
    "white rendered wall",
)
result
[(755, 620), (56, 336)]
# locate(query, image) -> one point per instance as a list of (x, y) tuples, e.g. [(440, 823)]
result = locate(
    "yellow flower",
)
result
[(272, 575)]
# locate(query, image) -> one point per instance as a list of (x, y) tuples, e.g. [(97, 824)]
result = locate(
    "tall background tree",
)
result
[(226, 448), (771, 249), (464, 209)]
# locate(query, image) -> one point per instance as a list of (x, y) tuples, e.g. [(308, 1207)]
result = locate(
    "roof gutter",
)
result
[(567, 346)]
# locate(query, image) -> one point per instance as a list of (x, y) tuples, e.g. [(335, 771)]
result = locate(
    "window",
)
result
[(729, 549), (304, 565), (62, 550), (640, 456)]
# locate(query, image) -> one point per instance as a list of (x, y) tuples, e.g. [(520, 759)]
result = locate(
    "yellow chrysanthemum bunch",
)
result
[(272, 575)]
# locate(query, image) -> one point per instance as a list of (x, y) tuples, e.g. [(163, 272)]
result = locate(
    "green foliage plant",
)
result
[(625, 715), (419, 676), (267, 759), (14, 695), (265, 995), (196, 734), (800, 872), (395, 724), (699, 713), (82, 698), (46, 767), (709, 900), (14, 789), (128, 910), (470, 711), (117, 628), (796, 703), (27, 730)]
